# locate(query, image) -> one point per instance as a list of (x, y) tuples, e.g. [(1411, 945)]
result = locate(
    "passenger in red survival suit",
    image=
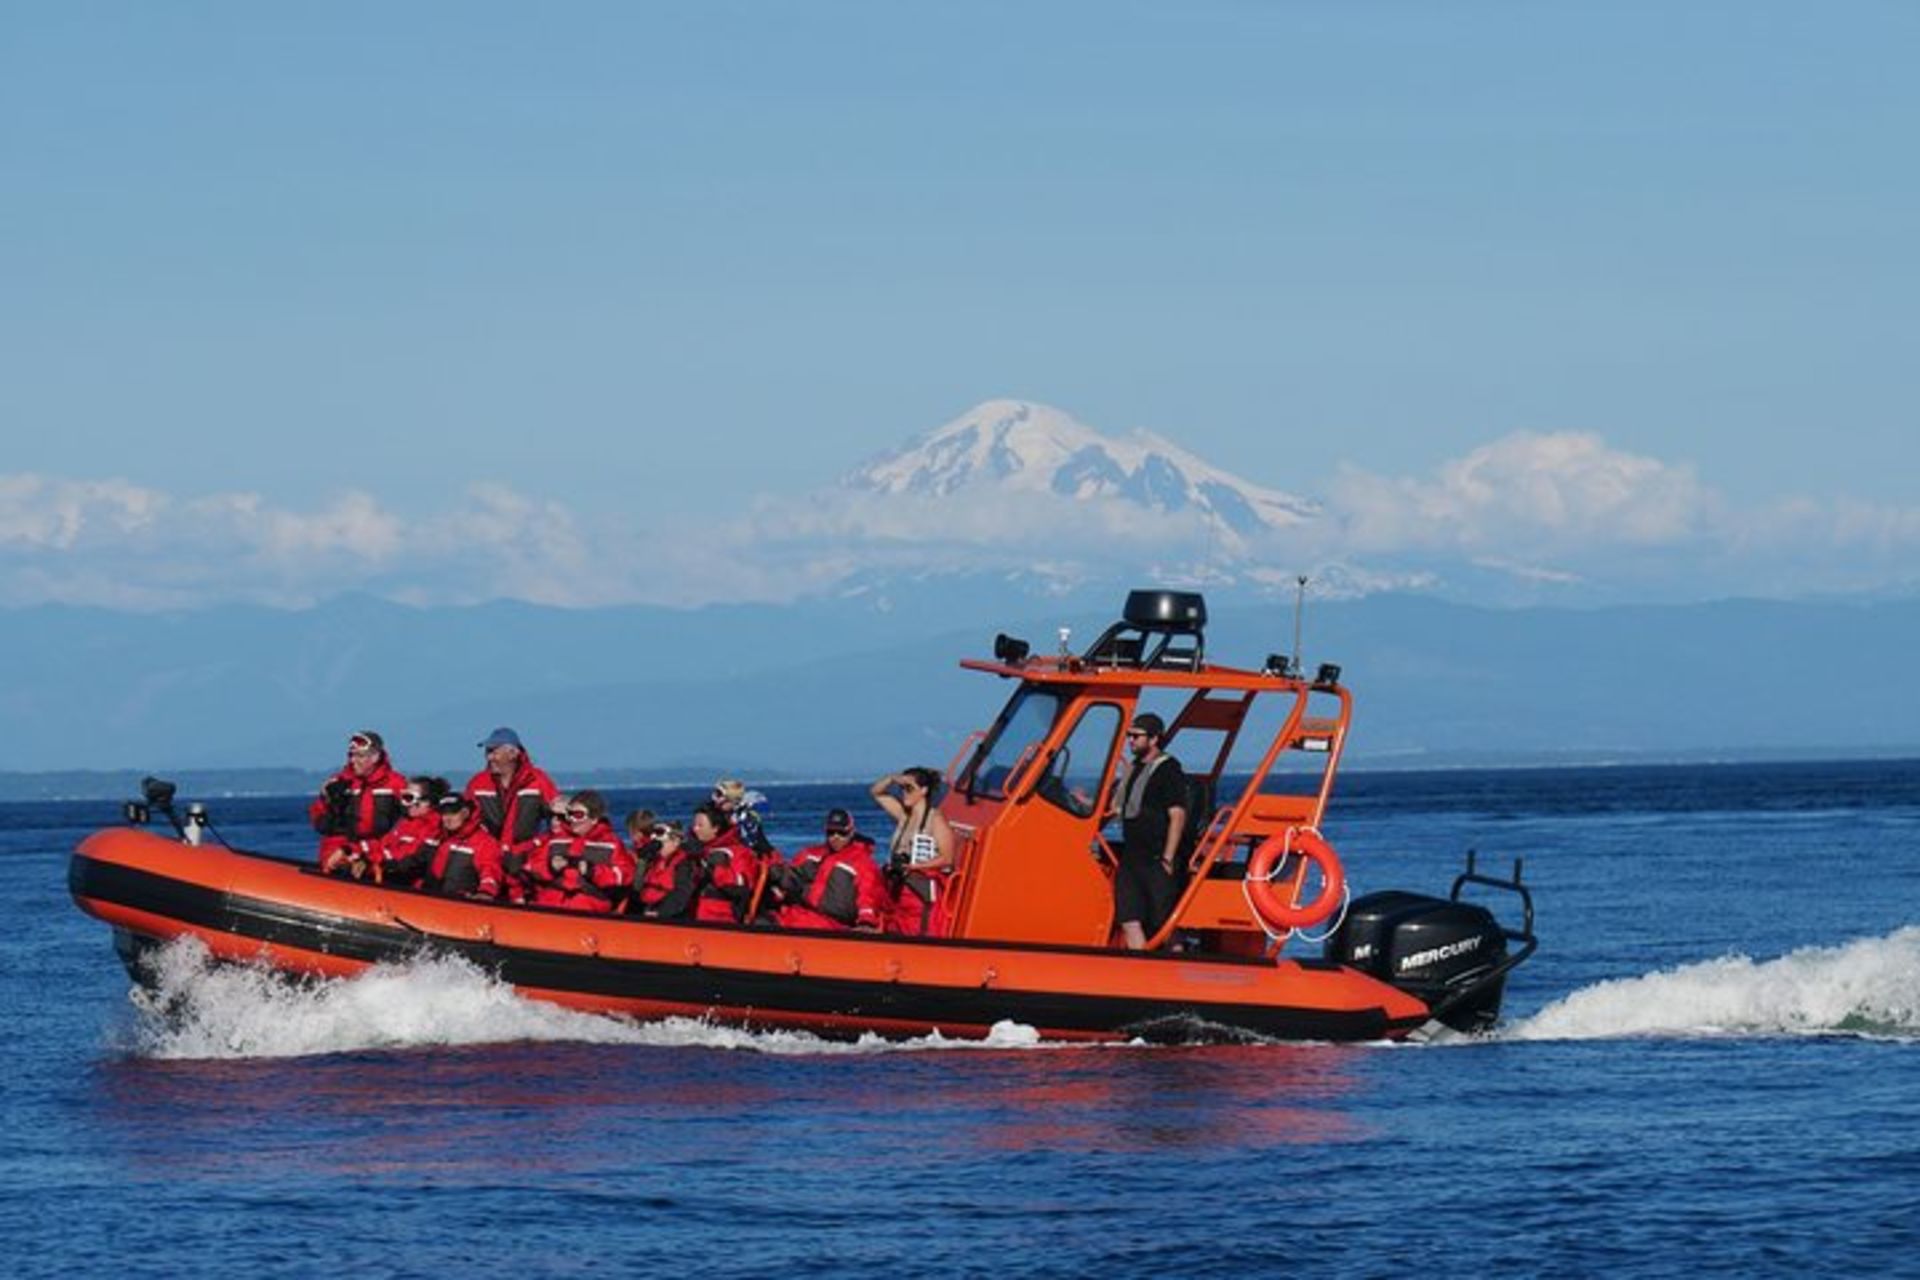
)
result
[(513, 796), (357, 806), (834, 884), (584, 865)]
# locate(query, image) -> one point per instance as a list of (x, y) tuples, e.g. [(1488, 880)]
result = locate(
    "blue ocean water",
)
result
[(1712, 1065)]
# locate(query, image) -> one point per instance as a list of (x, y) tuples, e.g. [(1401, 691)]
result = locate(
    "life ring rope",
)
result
[(1279, 917), (1334, 922)]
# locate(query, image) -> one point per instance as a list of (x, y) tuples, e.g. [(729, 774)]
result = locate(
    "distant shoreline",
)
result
[(124, 784)]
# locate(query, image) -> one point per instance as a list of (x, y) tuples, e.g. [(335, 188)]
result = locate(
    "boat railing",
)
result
[(966, 844), (1215, 897), (955, 765)]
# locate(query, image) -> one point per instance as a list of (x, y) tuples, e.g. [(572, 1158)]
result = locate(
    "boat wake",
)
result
[(1868, 987), (199, 1008)]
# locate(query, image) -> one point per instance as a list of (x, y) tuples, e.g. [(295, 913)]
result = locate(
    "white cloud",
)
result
[(53, 514), (1562, 490), (1560, 512)]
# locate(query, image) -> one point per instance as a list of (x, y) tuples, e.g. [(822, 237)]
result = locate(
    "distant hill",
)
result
[(850, 686)]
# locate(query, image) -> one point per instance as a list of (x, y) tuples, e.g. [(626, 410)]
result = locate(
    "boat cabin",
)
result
[(1027, 795)]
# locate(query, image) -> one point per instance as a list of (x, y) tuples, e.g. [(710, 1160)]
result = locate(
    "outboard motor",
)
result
[(1450, 954)]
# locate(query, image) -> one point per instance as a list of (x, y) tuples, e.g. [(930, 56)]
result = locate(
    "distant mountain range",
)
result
[(1019, 446), (860, 675), (853, 685)]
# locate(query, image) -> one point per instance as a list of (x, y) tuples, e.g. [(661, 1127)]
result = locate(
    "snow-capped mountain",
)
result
[(1020, 446)]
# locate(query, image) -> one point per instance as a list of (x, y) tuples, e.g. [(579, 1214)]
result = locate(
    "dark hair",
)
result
[(430, 787), (1151, 725), (927, 779), (719, 817), (640, 823), (592, 801)]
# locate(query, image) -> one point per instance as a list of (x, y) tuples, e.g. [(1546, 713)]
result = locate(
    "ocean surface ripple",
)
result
[(1713, 1065)]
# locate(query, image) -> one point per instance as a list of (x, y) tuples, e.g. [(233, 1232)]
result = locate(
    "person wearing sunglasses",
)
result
[(583, 864), (835, 884), (357, 806), (1150, 799), (742, 808), (640, 824), (670, 876), (418, 824), (920, 855), (462, 860)]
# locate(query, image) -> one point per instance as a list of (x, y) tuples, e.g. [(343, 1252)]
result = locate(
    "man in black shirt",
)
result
[(1150, 799)]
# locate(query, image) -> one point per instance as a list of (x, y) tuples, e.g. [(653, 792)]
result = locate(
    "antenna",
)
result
[(1299, 611)]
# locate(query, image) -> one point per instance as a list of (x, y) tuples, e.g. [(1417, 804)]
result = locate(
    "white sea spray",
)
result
[(1869, 986), (199, 1008)]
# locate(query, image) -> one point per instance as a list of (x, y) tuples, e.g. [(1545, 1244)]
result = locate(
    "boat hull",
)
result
[(250, 908)]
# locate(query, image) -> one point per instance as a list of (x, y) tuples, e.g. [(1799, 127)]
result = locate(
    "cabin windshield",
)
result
[(1076, 770), (1013, 739)]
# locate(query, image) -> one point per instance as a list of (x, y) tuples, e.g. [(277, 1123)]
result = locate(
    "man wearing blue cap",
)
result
[(514, 798)]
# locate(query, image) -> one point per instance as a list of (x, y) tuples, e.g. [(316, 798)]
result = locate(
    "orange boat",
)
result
[(1031, 932)]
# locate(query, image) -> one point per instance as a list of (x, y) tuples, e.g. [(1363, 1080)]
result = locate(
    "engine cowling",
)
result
[(1435, 949)]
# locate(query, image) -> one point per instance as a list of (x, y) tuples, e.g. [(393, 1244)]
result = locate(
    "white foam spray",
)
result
[(200, 1009), (203, 1009), (1870, 986)]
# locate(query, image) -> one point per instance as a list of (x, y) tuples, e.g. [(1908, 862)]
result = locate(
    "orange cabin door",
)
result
[(1036, 874)]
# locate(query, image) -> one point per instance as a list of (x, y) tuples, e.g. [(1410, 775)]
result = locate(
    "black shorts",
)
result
[(1144, 891)]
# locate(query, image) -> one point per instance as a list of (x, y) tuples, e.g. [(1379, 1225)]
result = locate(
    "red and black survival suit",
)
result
[(353, 810), (407, 835), (516, 814), (582, 872), (669, 880), (829, 888), (463, 863), (732, 873)]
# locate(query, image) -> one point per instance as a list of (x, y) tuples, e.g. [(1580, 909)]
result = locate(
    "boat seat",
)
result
[(1273, 813)]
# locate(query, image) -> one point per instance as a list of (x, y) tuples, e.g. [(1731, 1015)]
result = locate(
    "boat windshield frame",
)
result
[(996, 764)]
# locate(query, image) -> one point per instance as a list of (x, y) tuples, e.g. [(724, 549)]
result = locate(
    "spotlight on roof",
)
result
[(1009, 650), (1278, 664), (1327, 676)]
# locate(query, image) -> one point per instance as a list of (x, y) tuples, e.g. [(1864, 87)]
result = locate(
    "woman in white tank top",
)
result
[(921, 850)]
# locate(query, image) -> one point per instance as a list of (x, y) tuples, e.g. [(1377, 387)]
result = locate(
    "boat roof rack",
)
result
[(1157, 631)]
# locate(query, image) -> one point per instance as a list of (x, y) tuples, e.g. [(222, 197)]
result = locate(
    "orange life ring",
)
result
[(1271, 906)]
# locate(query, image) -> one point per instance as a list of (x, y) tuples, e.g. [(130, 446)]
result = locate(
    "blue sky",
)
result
[(612, 264)]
